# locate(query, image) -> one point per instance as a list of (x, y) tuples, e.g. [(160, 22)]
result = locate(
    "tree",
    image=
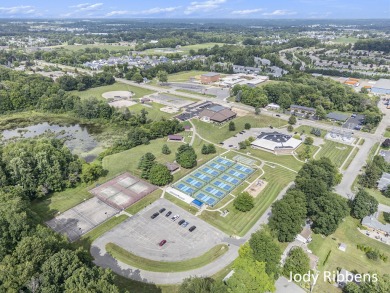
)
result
[(205, 150), (238, 96), (162, 76), (292, 120), (266, 249), (363, 205), (309, 140), (232, 126), (386, 143), (165, 150), (247, 126), (249, 274), (198, 285), (352, 287), (211, 149), (257, 111), (91, 172), (305, 154), (288, 215), (145, 164), (386, 217), (242, 145), (243, 202), (137, 77), (320, 112), (297, 262), (187, 159), (290, 128), (160, 175)]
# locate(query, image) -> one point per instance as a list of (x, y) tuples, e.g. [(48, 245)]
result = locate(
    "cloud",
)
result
[(204, 6), (155, 10), (87, 7), (17, 10), (247, 11), (279, 12)]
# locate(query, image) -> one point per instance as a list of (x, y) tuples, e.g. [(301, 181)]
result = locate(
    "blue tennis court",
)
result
[(222, 185), (230, 179), (216, 192), (224, 162), (217, 166), (186, 189), (237, 174), (211, 201), (194, 182), (210, 171), (202, 176), (243, 169), (214, 180)]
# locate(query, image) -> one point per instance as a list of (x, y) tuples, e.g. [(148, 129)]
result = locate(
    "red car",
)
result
[(162, 242)]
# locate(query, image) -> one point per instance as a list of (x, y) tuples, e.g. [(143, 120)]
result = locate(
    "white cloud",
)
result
[(247, 11), (87, 6), (204, 6), (279, 12), (22, 9), (155, 10)]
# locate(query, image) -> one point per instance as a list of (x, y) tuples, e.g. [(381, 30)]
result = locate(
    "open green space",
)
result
[(387, 133), (162, 266), (184, 75), (352, 259), (350, 158), (192, 93), (87, 239), (239, 223), (153, 110), (379, 196), (307, 129), (345, 40), (373, 152), (103, 46), (181, 50), (217, 133), (302, 147), (98, 91), (336, 152)]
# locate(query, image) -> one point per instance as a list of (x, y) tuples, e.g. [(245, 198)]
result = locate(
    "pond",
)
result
[(78, 138)]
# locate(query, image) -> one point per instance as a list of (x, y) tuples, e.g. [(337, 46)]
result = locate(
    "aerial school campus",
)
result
[(194, 156)]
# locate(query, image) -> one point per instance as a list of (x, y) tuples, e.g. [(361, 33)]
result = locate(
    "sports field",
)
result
[(214, 180), (336, 152)]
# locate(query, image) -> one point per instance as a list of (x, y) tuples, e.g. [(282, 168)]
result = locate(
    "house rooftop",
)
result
[(337, 116)]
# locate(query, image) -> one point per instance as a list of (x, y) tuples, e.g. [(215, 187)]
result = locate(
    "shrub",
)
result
[(309, 140), (290, 128), (247, 126), (232, 126), (386, 217), (373, 255)]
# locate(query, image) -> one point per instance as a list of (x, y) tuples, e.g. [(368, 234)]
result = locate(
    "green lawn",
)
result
[(302, 147), (379, 196), (153, 110), (387, 133), (336, 152), (238, 223), (110, 47), (350, 159), (352, 259), (218, 133), (162, 266), (183, 49), (306, 129), (98, 91), (373, 151), (345, 40), (184, 75)]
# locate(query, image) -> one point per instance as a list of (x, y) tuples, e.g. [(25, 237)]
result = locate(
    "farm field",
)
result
[(238, 223), (352, 258), (98, 91), (336, 152)]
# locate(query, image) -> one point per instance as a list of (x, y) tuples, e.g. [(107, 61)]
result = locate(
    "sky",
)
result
[(253, 9)]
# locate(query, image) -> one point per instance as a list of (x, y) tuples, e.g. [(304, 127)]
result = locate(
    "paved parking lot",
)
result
[(352, 122), (141, 235)]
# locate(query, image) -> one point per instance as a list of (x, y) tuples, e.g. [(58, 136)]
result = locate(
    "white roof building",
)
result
[(276, 142)]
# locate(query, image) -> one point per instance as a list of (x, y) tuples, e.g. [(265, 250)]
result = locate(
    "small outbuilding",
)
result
[(172, 167), (343, 247), (175, 137)]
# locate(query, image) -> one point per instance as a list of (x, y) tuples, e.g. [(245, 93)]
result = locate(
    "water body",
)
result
[(78, 138)]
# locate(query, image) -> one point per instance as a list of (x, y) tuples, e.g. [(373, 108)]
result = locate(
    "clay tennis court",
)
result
[(122, 191)]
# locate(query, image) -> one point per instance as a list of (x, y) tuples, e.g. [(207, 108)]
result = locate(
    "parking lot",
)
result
[(353, 122), (141, 235)]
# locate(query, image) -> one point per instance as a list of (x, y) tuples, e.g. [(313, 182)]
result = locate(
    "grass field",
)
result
[(162, 266), (352, 258), (183, 49), (379, 196), (387, 132), (306, 129), (184, 75), (336, 152), (98, 91), (345, 40), (110, 47), (350, 159), (153, 110), (217, 133), (238, 223)]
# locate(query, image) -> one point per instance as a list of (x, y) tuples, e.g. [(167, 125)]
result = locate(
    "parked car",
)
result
[(185, 224), (175, 217), (168, 214), (155, 215), (181, 222), (277, 115), (162, 242), (353, 115), (192, 228), (162, 210)]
